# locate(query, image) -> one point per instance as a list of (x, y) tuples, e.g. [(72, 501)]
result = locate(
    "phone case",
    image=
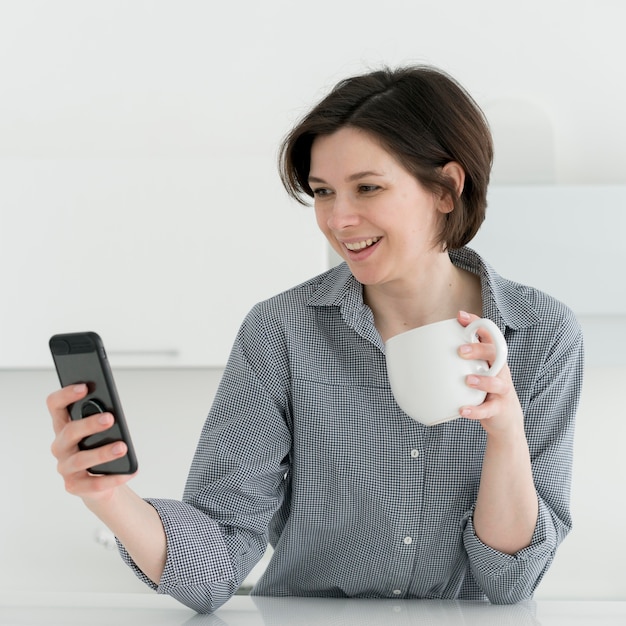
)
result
[(81, 358)]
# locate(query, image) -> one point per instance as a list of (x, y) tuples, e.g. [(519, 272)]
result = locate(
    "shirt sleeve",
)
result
[(549, 425), (219, 531)]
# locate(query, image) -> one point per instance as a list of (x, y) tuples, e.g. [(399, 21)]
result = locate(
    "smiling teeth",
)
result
[(359, 245)]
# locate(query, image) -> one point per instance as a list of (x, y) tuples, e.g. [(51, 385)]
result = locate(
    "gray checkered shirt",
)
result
[(305, 446)]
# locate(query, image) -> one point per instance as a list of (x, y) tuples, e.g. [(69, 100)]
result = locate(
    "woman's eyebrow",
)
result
[(352, 177)]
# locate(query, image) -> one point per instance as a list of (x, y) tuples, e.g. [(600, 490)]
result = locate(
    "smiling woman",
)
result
[(305, 445)]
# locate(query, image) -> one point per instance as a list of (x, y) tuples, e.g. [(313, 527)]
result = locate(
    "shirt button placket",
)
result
[(407, 540)]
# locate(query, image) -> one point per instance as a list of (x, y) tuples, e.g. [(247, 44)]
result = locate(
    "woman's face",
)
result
[(374, 213)]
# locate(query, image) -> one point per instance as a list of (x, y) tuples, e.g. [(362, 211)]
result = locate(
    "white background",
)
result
[(99, 84)]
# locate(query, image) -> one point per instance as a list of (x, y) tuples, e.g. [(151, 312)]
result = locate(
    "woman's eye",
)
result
[(321, 191), (368, 188)]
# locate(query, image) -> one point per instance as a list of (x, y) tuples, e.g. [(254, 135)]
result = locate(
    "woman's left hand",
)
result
[(501, 413)]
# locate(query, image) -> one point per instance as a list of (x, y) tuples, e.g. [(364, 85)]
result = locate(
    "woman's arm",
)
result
[(134, 522), (506, 509), (137, 526), (200, 549), (547, 363)]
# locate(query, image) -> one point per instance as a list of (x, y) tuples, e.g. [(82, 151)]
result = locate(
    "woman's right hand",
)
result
[(133, 521), (73, 463)]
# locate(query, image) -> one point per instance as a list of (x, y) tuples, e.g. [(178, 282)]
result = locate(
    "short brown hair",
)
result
[(420, 115)]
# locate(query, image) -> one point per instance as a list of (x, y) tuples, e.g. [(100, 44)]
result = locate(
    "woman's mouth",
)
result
[(356, 246)]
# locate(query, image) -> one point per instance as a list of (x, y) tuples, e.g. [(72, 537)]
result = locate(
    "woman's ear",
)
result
[(456, 174)]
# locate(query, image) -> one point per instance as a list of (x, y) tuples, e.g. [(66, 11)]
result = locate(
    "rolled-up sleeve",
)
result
[(219, 531), (506, 578), (198, 570)]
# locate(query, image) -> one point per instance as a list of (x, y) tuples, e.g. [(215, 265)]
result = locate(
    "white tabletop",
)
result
[(153, 610)]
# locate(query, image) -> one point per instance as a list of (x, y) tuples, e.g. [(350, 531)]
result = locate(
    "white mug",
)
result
[(427, 375)]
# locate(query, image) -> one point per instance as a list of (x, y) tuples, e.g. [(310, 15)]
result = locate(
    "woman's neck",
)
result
[(437, 291)]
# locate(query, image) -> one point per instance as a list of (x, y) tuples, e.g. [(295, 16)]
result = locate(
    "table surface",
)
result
[(143, 609)]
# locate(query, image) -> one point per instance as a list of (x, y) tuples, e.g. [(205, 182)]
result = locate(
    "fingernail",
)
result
[(105, 418), (465, 349), (80, 388), (464, 315), (466, 412), (473, 380), (118, 448)]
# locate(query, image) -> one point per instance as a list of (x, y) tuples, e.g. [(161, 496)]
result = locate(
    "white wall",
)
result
[(167, 79), (189, 79)]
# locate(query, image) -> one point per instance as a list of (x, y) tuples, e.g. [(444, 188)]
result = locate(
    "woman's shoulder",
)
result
[(325, 288), (536, 306), (290, 317), (519, 305)]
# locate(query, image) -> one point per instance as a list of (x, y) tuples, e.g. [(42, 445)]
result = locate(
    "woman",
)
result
[(304, 444)]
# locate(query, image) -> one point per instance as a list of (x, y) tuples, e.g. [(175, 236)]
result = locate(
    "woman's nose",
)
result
[(342, 214)]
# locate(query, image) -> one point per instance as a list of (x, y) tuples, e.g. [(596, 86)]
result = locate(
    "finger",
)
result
[(478, 351), (74, 431), (58, 401), (80, 462), (483, 411), (493, 385), (464, 318)]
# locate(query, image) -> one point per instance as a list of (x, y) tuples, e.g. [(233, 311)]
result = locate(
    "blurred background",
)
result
[(139, 197)]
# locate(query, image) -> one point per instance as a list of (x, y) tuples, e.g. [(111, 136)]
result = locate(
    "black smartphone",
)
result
[(81, 358)]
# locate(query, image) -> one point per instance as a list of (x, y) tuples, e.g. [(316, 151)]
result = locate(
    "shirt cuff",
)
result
[(196, 551), (509, 578)]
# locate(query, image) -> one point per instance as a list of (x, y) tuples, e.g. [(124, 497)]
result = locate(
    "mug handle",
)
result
[(498, 340)]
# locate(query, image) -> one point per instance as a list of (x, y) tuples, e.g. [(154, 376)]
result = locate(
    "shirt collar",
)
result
[(339, 288), (505, 302)]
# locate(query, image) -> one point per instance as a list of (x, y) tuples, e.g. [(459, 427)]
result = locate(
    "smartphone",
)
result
[(81, 358)]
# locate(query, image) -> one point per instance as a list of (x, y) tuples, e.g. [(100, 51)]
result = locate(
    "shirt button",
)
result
[(415, 453), (408, 541), (397, 592)]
